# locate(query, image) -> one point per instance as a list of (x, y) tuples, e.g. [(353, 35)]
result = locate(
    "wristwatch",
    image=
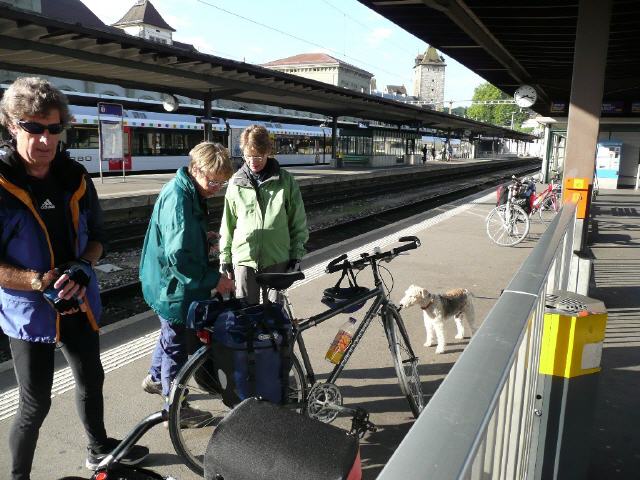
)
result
[(36, 283)]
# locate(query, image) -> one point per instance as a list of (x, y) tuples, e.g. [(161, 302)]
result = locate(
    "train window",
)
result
[(82, 137), (296, 144)]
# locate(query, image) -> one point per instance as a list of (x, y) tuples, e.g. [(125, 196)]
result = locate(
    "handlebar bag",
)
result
[(251, 353), (259, 441)]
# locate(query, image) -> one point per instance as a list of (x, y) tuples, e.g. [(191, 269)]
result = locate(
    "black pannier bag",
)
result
[(523, 196), (250, 350), (258, 440)]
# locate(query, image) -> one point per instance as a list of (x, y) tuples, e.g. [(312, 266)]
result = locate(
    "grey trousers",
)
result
[(246, 286)]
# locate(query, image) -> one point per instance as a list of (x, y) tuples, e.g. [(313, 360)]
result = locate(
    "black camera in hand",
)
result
[(60, 304), (78, 271)]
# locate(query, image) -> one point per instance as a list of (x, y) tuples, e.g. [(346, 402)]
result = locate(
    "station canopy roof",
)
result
[(524, 42), (33, 43)]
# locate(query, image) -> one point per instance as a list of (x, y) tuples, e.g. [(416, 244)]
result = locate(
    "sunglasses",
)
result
[(38, 128)]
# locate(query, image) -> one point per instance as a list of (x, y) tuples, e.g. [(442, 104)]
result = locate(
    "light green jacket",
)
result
[(263, 225)]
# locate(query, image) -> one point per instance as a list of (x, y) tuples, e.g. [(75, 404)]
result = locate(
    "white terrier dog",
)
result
[(439, 308)]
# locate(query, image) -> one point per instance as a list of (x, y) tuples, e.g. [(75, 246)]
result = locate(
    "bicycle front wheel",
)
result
[(507, 225), (196, 406), (404, 360), (548, 209)]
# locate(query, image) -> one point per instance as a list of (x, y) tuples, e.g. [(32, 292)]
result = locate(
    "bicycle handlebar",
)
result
[(333, 264), (340, 263)]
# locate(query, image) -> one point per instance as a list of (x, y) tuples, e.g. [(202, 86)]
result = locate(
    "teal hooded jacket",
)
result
[(174, 268)]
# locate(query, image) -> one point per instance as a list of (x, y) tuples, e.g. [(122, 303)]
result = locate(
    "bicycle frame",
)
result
[(380, 303)]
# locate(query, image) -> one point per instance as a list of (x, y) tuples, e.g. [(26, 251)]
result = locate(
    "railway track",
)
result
[(322, 196)]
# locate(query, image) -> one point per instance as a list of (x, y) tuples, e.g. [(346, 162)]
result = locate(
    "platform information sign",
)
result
[(110, 130), (608, 164)]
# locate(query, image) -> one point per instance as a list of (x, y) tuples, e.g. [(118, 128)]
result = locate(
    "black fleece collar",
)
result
[(244, 177)]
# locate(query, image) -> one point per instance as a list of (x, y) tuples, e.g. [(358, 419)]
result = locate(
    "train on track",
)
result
[(155, 142)]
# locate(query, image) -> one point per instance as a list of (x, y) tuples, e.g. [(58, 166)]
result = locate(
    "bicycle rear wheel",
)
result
[(507, 225), (548, 209), (404, 360), (196, 386)]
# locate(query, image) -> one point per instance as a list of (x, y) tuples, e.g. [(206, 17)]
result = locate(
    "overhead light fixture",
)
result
[(169, 102)]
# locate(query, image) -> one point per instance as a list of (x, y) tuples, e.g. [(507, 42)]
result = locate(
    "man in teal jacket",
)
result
[(174, 266), (264, 225)]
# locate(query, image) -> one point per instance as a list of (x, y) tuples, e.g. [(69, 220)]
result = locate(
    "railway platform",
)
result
[(455, 252), (133, 191)]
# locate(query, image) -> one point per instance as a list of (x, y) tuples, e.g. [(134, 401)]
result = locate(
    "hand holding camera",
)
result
[(66, 292)]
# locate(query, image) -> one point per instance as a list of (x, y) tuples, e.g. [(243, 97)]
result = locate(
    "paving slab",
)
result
[(615, 244)]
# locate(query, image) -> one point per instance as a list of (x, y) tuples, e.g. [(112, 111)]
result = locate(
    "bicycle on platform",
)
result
[(548, 202), (195, 383), (509, 222)]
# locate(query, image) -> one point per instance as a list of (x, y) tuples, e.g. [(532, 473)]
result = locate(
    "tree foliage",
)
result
[(495, 114)]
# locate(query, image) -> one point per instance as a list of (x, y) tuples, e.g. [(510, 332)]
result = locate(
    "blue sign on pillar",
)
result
[(110, 109)]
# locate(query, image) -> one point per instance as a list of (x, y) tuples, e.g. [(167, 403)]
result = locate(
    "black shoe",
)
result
[(95, 455)]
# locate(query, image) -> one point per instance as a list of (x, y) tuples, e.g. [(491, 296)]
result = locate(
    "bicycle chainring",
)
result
[(324, 402)]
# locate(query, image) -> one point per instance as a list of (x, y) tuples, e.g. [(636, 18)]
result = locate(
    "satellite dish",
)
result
[(170, 103)]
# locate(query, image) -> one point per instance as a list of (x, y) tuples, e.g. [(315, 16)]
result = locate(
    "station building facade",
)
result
[(324, 68)]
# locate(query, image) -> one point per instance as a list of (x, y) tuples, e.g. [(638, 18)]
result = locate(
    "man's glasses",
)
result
[(38, 128)]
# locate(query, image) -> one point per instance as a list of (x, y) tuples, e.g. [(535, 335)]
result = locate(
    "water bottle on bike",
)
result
[(341, 341)]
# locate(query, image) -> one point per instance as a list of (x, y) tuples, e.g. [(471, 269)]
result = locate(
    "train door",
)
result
[(116, 165)]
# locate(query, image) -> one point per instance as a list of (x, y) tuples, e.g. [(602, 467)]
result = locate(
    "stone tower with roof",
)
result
[(428, 78), (144, 21)]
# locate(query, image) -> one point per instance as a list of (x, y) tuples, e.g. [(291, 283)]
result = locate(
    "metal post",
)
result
[(587, 84), (208, 98), (334, 138), (546, 154)]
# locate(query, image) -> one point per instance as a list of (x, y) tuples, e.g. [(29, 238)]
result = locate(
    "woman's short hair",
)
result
[(32, 96), (211, 158), (256, 138)]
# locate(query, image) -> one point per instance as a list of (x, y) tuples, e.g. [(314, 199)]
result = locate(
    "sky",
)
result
[(258, 31)]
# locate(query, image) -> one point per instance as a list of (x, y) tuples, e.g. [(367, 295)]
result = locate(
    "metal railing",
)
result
[(483, 421)]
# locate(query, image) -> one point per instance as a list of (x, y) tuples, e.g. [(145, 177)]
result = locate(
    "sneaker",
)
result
[(149, 386), (134, 456), (193, 418)]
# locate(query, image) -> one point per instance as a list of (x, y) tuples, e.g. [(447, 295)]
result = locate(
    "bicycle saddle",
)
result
[(278, 281)]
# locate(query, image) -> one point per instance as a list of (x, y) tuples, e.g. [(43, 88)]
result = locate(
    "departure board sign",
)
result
[(558, 107), (616, 107)]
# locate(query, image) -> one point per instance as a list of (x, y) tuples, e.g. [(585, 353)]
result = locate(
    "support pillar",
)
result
[(334, 141), (208, 98), (587, 85)]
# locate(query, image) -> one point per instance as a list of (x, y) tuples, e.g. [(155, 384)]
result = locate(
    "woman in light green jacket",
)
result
[(264, 225)]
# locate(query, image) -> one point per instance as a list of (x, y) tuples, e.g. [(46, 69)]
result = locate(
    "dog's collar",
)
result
[(427, 305)]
